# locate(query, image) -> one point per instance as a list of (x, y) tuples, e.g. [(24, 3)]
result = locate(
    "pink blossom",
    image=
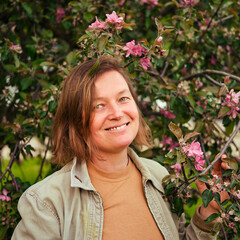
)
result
[(238, 194), (151, 3), (167, 141), (199, 83), (199, 163), (16, 48), (4, 196), (228, 49), (145, 62), (133, 49), (122, 2), (177, 167), (113, 18), (159, 39), (60, 14), (162, 52), (232, 101), (188, 195), (187, 3), (98, 24), (194, 150), (167, 114), (213, 60), (184, 70)]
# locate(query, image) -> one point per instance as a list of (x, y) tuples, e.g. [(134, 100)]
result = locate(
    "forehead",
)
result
[(109, 83)]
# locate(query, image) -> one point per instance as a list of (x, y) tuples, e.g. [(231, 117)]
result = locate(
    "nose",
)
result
[(115, 112)]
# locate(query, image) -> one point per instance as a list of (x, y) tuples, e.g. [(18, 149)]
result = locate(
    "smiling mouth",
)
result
[(117, 128)]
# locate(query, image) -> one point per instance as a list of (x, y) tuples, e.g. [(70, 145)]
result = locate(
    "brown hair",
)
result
[(71, 127)]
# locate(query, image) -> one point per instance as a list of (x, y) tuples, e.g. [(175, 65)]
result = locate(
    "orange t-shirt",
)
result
[(126, 213)]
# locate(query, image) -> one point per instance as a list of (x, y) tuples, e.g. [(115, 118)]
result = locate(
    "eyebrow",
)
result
[(119, 93)]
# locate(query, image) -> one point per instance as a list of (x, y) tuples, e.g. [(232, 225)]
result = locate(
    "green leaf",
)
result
[(217, 227), (10, 68), (16, 60), (94, 68), (49, 64), (229, 128), (180, 157), (27, 8), (199, 110), (203, 179), (217, 198), (207, 197), (102, 41), (3, 231), (223, 111), (71, 57), (175, 130), (25, 83), (211, 217), (85, 36), (190, 135), (191, 101), (231, 163), (87, 17)]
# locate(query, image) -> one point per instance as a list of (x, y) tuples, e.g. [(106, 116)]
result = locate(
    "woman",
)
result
[(106, 191)]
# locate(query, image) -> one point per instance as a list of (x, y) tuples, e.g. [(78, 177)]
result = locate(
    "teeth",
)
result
[(117, 128)]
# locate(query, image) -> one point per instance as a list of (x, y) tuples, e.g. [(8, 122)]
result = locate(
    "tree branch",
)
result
[(210, 71), (43, 160)]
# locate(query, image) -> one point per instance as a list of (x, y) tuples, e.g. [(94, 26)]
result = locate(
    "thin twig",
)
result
[(43, 160), (221, 20), (166, 60), (212, 80), (224, 232), (210, 71), (204, 151)]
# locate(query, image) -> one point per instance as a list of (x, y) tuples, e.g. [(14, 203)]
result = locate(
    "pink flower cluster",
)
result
[(137, 50), (16, 48), (187, 3), (111, 18), (169, 141), (203, 103), (4, 197), (60, 14), (150, 3), (167, 114), (194, 150), (232, 101), (177, 168)]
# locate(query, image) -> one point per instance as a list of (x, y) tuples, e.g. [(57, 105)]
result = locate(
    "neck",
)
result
[(110, 162)]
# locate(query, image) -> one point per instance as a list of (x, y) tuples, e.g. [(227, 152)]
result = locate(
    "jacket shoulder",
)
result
[(156, 172), (53, 185)]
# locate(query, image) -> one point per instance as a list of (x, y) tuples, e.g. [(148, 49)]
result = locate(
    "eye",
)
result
[(99, 106), (122, 99)]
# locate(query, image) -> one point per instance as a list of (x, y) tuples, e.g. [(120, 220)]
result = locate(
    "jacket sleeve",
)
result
[(197, 229), (39, 220)]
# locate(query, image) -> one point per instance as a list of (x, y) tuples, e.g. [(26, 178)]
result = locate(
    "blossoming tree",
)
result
[(182, 57)]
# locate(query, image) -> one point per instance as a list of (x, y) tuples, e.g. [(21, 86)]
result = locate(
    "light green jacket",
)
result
[(65, 205)]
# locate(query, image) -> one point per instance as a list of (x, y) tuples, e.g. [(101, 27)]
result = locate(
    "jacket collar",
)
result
[(80, 177)]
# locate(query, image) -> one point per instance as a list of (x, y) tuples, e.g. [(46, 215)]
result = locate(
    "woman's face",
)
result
[(114, 120)]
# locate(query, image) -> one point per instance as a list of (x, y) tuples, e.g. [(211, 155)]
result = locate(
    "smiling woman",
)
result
[(104, 191)]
